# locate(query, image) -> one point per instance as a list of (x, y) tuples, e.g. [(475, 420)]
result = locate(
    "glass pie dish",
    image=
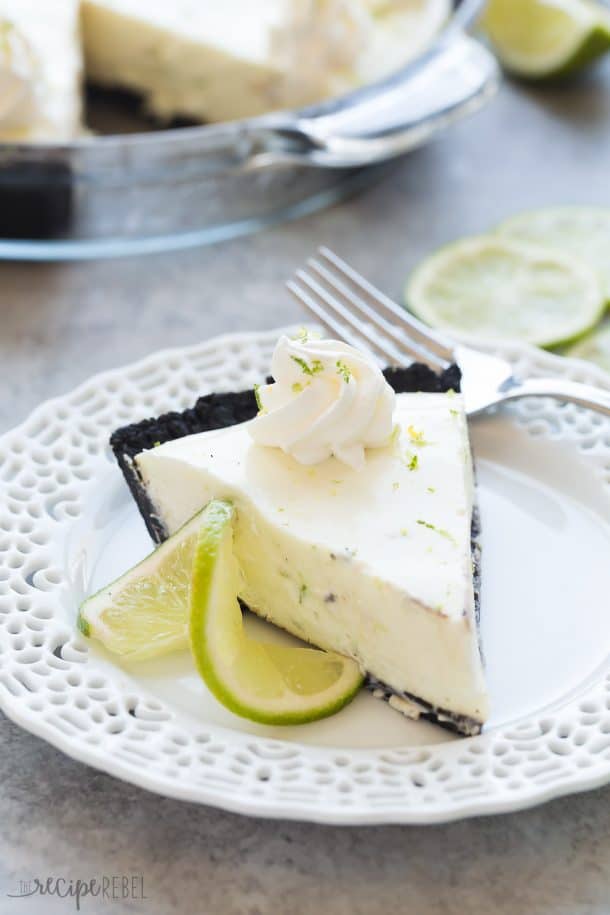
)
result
[(149, 191)]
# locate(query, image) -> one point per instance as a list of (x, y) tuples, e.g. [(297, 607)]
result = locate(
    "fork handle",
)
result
[(585, 395)]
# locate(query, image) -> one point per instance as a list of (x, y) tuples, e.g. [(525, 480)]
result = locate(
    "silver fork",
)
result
[(353, 310)]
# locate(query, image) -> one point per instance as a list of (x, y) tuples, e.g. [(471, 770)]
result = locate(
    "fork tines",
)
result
[(353, 310)]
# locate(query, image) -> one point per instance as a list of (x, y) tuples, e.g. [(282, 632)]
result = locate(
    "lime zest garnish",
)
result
[(417, 437), (343, 371), (395, 436), (437, 530), (257, 395), (314, 369)]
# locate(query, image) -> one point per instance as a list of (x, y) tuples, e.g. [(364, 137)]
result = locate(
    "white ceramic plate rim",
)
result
[(34, 535)]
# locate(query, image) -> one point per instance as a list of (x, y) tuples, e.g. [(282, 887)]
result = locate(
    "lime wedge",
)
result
[(595, 347), (268, 683), (539, 39), (497, 288), (145, 612), (581, 231)]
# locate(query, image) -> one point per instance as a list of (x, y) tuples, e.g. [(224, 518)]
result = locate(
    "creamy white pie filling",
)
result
[(239, 58), (41, 62), (375, 563)]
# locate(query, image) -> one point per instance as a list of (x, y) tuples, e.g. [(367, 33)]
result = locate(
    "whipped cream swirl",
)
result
[(328, 399), (17, 77)]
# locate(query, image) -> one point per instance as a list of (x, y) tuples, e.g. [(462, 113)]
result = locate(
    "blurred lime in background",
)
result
[(581, 231), (499, 288), (542, 276), (541, 39), (595, 347)]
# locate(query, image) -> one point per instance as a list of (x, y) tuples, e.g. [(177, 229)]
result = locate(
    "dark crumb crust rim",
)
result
[(216, 411)]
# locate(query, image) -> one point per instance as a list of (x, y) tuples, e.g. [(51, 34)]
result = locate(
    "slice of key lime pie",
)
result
[(356, 515)]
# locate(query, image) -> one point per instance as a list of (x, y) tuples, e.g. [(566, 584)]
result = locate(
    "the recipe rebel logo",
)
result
[(109, 888)]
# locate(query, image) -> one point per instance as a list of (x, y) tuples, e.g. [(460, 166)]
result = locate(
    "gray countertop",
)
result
[(60, 323)]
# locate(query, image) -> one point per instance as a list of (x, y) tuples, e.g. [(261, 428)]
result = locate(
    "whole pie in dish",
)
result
[(196, 59)]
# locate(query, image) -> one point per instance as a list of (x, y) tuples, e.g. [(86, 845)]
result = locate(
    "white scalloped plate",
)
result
[(67, 525)]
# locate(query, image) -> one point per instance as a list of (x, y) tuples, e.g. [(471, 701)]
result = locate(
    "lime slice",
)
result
[(581, 231), (595, 347), (497, 288), (268, 683), (539, 39), (145, 612)]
